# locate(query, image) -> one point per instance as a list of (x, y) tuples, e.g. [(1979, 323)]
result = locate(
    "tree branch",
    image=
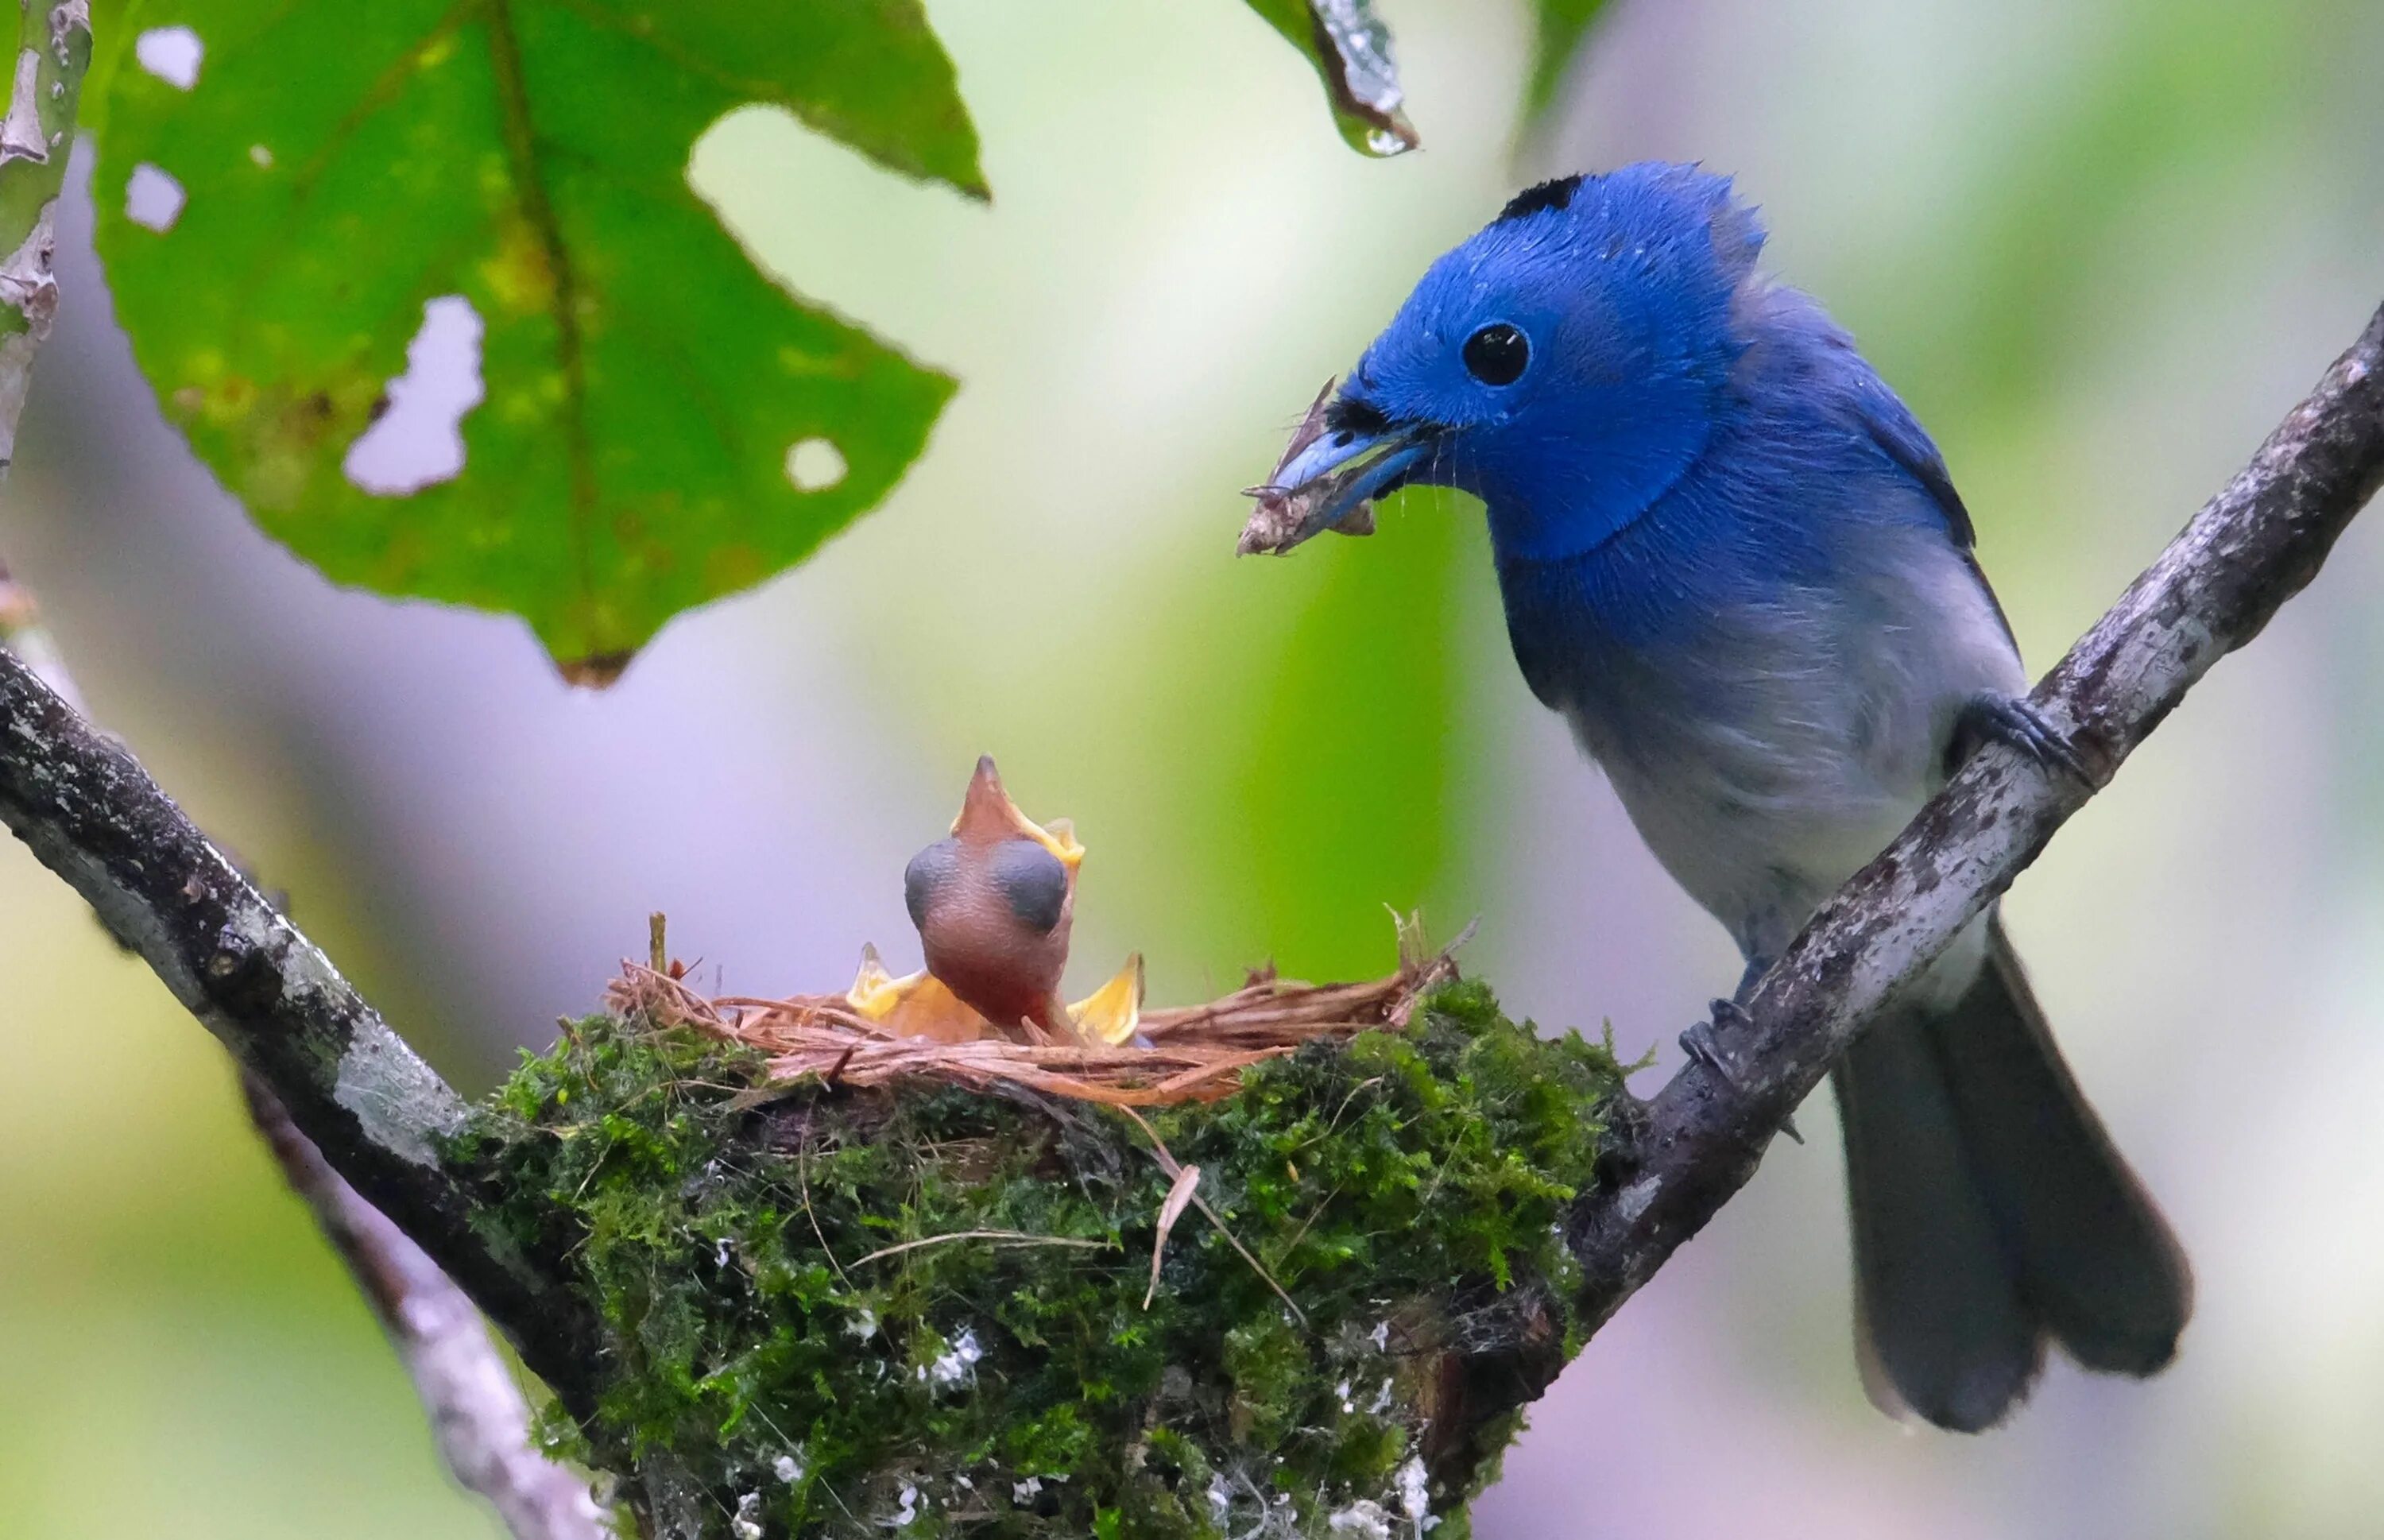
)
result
[(378, 1112), (477, 1415), (394, 1104), (2251, 548), (91, 814)]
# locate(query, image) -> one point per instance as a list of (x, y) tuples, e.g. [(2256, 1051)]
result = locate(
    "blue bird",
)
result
[(1734, 563)]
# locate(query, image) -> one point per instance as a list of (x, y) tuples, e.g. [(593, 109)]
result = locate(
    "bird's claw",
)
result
[(1702, 1043), (2013, 721)]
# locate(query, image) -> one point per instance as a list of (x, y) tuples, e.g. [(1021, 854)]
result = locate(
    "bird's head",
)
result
[(1566, 365), (1030, 867)]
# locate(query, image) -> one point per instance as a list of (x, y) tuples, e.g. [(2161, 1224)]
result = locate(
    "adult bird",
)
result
[(1735, 564)]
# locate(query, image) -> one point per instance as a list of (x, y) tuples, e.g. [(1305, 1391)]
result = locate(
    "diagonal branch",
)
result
[(477, 1415), (2251, 548), (476, 1412), (92, 815)]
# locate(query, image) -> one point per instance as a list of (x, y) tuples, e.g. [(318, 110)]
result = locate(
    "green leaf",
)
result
[(1351, 51), (1558, 26), (347, 164)]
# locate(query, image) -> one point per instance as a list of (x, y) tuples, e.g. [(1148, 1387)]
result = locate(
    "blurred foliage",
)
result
[(1357, 742), (2184, 82), (812, 1304), (643, 383), (1558, 26)]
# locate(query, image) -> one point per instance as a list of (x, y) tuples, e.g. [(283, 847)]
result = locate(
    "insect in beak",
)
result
[(1329, 477)]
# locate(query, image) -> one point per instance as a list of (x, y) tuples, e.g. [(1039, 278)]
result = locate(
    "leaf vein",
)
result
[(530, 190)]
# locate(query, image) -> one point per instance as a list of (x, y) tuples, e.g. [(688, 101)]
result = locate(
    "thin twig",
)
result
[(1179, 1197), (477, 1415), (804, 1178), (1005, 1238), (1175, 1170), (379, 1116)]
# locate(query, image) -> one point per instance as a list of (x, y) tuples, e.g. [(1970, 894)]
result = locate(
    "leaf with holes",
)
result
[(293, 196)]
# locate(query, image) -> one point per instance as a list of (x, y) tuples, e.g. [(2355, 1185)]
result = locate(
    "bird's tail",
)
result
[(1991, 1212)]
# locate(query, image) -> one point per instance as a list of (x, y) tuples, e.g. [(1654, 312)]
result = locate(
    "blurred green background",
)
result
[(2099, 245)]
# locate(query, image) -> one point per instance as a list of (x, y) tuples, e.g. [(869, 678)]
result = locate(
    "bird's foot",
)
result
[(1702, 1042), (1988, 717)]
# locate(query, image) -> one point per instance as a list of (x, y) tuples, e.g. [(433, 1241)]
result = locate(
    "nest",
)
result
[(1194, 1053)]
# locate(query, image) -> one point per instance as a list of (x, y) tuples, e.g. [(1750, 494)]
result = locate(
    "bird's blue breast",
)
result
[(1783, 504), (1767, 658)]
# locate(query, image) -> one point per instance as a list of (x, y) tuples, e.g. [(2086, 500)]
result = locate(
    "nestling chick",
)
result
[(994, 904)]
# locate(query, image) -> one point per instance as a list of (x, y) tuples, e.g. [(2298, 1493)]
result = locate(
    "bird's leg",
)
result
[(1756, 968), (1703, 1043), (1988, 717)]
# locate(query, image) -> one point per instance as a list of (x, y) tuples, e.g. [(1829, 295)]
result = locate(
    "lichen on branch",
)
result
[(924, 1306), (87, 810)]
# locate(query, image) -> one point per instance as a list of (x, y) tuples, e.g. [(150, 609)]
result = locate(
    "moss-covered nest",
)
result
[(922, 1308)]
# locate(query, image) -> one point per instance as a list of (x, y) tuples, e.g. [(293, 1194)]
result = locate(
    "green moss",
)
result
[(1403, 1190)]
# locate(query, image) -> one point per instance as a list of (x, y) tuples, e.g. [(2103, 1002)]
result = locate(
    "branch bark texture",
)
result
[(396, 1104), (2251, 548), (477, 1415), (91, 814)]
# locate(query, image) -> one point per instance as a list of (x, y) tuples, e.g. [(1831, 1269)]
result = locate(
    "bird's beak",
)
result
[(918, 1005), (1329, 479), (1359, 466), (1111, 1013), (988, 813)]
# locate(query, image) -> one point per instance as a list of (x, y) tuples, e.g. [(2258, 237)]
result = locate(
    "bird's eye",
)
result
[(1496, 354), (1034, 882)]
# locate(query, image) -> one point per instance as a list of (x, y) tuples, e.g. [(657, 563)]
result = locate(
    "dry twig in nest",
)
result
[(1192, 1054)]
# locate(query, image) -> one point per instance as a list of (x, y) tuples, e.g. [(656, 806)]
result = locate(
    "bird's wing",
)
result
[(1900, 437), (1897, 434)]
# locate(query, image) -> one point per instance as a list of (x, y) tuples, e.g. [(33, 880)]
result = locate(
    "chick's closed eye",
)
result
[(1032, 881)]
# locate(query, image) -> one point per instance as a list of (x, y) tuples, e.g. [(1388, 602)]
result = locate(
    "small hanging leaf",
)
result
[(313, 214), (1557, 37), (1179, 1197), (1351, 51)]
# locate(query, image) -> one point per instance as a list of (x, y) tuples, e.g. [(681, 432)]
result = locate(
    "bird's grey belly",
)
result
[(1758, 831), (1771, 758)]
